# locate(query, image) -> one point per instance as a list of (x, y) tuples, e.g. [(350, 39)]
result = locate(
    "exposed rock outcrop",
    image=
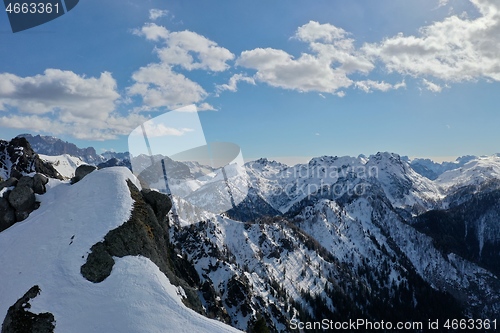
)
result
[(7, 214), (145, 234), (17, 159), (16, 204), (82, 171), (39, 182), (19, 320), (23, 200)]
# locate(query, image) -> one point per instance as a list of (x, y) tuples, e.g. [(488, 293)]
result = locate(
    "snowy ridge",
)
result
[(474, 172), (49, 247), (64, 164), (282, 186)]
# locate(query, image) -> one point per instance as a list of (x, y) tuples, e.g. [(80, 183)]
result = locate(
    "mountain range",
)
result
[(339, 238)]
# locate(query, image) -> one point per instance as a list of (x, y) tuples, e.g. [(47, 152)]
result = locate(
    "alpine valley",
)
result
[(364, 239)]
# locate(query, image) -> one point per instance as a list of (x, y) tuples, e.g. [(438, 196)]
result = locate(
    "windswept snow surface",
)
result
[(49, 247)]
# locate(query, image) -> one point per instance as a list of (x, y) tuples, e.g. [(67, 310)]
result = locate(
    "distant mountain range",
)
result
[(52, 146), (343, 238)]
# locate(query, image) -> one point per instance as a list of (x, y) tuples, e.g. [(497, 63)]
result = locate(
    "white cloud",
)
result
[(431, 86), (62, 102), (232, 85), (206, 107), (155, 14), (313, 31), (89, 129), (308, 73), (186, 49), (159, 130), (333, 57), (454, 49), (159, 86), (152, 31), (443, 3), (195, 108), (370, 85), (62, 90)]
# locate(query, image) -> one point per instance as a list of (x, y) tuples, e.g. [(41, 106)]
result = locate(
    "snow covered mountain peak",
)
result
[(474, 172)]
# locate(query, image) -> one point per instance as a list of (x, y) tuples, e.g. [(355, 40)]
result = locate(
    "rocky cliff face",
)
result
[(17, 158)]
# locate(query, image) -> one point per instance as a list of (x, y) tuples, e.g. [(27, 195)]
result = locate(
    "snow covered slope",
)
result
[(64, 164), (283, 187), (49, 247), (473, 172)]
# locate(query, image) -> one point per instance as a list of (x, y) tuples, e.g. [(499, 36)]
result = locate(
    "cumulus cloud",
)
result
[(160, 86), (152, 31), (186, 49), (455, 49), (307, 73), (232, 85), (63, 102), (155, 14), (333, 56), (63, 90)]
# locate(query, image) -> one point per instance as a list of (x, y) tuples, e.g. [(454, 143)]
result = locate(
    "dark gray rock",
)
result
[(19, 320), (160, 203), (81, 172), (99, 264), (22, 199), (16, 173), (6, 194), (8, 183), (26, 181), (39, 182), (7, 214), (22, 215)]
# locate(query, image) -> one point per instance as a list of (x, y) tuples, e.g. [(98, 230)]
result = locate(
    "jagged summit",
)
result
[(49, 145)]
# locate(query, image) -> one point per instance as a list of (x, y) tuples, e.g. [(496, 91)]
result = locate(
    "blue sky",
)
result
[(279, 78)]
